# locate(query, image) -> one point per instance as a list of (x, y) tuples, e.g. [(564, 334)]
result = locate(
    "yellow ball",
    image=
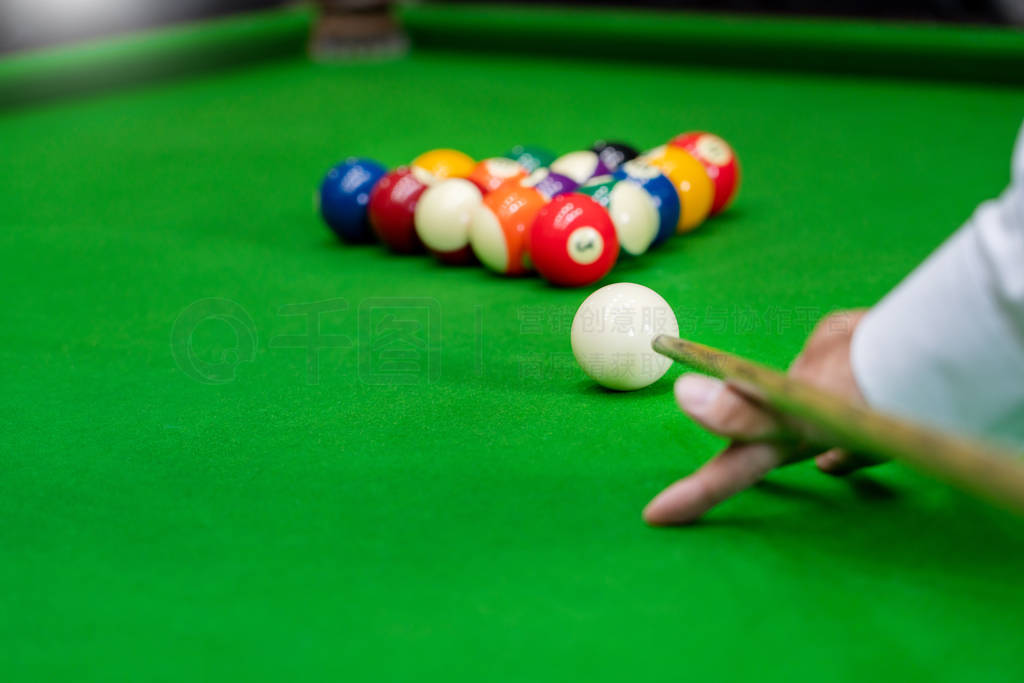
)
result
[(688, 175), (445, 163)]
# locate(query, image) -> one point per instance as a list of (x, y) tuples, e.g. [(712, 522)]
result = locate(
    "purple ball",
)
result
[(602, 168), (550, 184)]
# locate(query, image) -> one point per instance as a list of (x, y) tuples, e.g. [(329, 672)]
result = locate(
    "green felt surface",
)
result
[(480, 521)]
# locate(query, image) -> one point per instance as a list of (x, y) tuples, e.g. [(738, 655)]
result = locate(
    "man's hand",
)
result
[(761, 439)]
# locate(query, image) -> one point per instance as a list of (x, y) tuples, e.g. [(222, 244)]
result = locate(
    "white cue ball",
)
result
[(612, 332)]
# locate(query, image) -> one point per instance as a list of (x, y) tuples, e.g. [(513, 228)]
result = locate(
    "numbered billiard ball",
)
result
[(614, 154), (661, 191), (344, 196), (581, 166), (530, 157), (549, 184), (612, 333), (500, 227), (489, 174), (720, 162), (393, 206), (690, 180), (445, 163), (573, 241), (632, 211), (442, 219)]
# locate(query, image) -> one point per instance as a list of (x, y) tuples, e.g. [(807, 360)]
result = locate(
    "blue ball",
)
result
[(661, 190), (344, 195)]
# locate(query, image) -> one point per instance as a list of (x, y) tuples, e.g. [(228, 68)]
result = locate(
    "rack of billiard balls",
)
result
[(568, 218)]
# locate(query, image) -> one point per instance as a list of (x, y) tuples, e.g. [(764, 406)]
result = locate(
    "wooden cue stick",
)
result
[(988, 471)]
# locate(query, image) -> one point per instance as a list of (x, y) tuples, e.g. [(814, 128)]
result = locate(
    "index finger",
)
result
[(735, 469)]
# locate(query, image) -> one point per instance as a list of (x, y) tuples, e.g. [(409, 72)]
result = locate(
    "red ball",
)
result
[(392, 207), (573, 241), (718, 159)]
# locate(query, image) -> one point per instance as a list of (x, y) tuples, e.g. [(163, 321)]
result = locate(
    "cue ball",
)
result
[(442, 219), (345, 195), (612, 332)]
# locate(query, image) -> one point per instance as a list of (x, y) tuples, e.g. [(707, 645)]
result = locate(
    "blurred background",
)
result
[(26, 24)]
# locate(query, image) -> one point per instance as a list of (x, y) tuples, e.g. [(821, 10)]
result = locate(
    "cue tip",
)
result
[(658, 343)]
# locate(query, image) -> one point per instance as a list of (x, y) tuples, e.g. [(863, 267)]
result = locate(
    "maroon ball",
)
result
[(393, 206)]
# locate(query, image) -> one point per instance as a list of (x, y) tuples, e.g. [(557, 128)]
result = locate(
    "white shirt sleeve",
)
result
[(946, 346)]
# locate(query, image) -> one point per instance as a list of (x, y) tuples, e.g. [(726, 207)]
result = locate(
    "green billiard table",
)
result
[(233, 448)]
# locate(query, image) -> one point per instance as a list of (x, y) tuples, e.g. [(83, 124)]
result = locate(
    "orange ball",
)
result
[(500, 228), (489, 174)]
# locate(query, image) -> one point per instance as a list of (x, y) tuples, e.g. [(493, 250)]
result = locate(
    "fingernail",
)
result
[(828, 459), (826, 462), (695, 391)]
